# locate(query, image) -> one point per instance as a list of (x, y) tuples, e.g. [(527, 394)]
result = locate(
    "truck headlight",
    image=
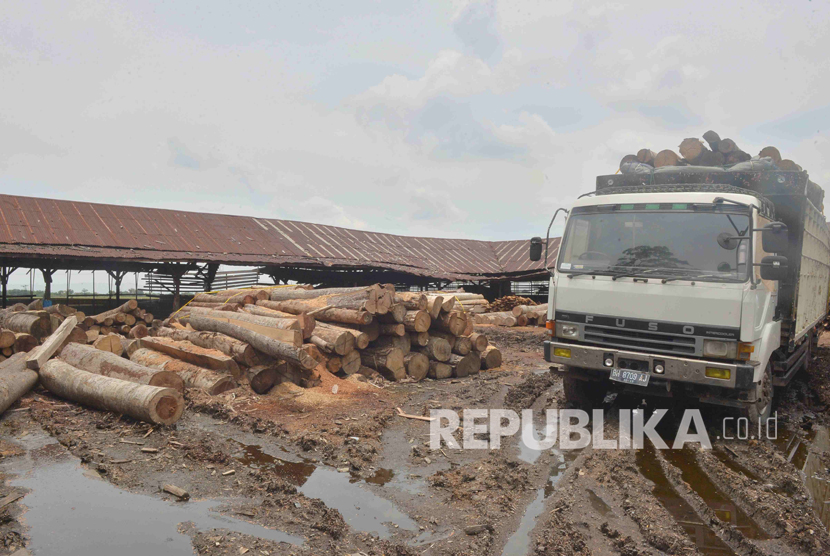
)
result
[(720, 349), (564, 330)]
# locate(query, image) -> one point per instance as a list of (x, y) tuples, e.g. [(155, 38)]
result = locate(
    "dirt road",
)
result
[(310, 472)]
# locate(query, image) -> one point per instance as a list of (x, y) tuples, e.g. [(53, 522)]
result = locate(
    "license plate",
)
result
[(630, 377)]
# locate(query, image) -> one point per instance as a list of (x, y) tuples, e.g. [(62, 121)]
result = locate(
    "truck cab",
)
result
[(697, 291)]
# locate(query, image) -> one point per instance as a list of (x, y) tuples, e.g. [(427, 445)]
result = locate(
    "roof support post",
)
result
[(5, 272), (117, 276), (47, 280), (209, 275)]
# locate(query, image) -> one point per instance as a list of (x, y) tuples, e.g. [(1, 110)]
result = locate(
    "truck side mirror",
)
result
[(773, 267), (775, 238), (536, 249)]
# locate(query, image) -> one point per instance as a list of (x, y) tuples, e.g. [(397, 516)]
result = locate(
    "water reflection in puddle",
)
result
[(818, 487)]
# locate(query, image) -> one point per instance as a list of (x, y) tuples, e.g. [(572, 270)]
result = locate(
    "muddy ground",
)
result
[(310, 472)]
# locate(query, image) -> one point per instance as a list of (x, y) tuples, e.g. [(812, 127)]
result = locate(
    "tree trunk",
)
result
[(523, 309), (106, 363), (490, 358), (403, 343), (392, 329), (413, 301), (256, 293), (646, 156), (453, 322), (772, 153), (307, 322), (361, 339), (434, 303), (419, 338), (788, 165), (463, 345), (64, 310), (417, 321), (139, 331), (713, 139), (125, 308), (737, 156), (331, 314), (342, 340), (726, 146), (417, 365), (479, 341), (241, 298), (396, 314), (262, 378), (240, 351), (438, 370), (194, 377), (692, 149), (24, 342), (37, 324), (372, 330), (372, 299), (193, 354), (437, 348), (232, 307), (267, 345), (350, 363), (333, 363), (110, 343), (130, 345), (15, 380), (147, 403), (464, 365), (41, 354), (7, 338), (666, 158), (281, 324), (388, 361)]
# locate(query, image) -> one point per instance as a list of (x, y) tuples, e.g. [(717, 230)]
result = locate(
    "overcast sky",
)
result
[(448, 118)]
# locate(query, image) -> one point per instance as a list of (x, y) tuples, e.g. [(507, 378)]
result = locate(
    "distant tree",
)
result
[(647, 256)]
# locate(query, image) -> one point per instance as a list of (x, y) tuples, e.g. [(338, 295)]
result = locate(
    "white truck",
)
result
[(698, 283)]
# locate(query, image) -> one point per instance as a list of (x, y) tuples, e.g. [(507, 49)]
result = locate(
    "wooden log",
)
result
[(138, 331), (193, 376), (524, 309), (439, 370), (350, 363), (521, 320), (403, 343), (417, 365), (152, 404), (129, 345), (323, 345), (726, 146), (490, 358), (627, 159), (333, 363), (464, 365), (125, 329), (419, 338), (454, 322), (256, 293), (129, 319), (17, 307), (413, 301), (392, 329), (479, 341), (262, 378), (37, 324), (92, 335), (89, 322), (342, 340), (330, 314), (179, 493), (771, 152), (269, 322), (372, 330), (35, 305), (463, 345), (8, 352), (434, 303), (646, 156), (396, 314), (692, 149), (106, 363), (737, 156), (7, 338), (713, 139), (193, 354), (306, 321), (40, 355), (269, 346), (388, 361), (291, 336), (108, 322), (240, 351), (64, 310), (125, 308), (24, 342), (788, 165), (437, 348), (232, 307), (109, 342), (241, 298), (417, 321), (372, 299), (16, 379), (666, 158)]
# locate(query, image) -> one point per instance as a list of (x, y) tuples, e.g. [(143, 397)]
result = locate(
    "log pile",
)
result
[(519, 315), (506, 303)]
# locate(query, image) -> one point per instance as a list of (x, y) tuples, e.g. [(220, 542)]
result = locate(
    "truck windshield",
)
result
[(654, 243)]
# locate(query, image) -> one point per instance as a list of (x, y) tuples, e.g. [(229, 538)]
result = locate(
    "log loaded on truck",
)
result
[(698, 283)]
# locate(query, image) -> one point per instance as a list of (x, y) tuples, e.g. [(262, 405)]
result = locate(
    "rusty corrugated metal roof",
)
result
[(51, 228)]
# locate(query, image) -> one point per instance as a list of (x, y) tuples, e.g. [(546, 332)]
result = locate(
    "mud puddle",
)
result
[(722, 505), (699, 532), (73, 511), (815, 474), (363, 510)]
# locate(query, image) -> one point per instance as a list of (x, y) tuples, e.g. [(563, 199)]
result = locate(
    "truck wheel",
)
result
[(760, 409), (583, 394)]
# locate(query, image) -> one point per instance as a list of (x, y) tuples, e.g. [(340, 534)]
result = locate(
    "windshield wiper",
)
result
[(630, 274), (696, 276)]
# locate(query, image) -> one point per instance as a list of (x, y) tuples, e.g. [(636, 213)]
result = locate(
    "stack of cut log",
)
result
[(506, 303), (468, 302), (374, 331), (519, 315)]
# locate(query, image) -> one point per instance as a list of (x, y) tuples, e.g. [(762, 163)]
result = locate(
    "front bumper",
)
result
[(676, 369)]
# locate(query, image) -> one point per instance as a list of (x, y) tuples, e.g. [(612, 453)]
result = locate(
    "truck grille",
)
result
[(642, 341)]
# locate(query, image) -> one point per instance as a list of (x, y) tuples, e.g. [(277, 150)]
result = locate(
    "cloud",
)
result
[(475, 26)]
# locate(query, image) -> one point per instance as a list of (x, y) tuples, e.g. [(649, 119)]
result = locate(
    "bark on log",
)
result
[(726, 146), (41, 354), (257, 293), (646, 156), (479, 341), (241, 298), (372, 330), (232, 307), (291, 336), (129, 319), (434, 303), (240, 351), (417, 365), (262, 378), (332, 314), (267, 345), (193, 354), (307, 322), (692, 149), (772, 153), (490, 358), (453, 322), (37, 324), (130, 345), (713, 139), (148, 403), (342, 340), (413, 301), (106, 363), (392, 329), (788, 165), (463, 345), (7, 338), (333, 363), (350, 363), (125, 308), (439, 370), (403, 343), (419, 338), (271, 322), (61, 309), (464, 365), (737, 156), (388, 361), (521, 320), (15, 380), (194, 377), (35, 305), (139, 331), (110, 342), (24, 342), (437, 348), (417, 321), (666, 158), (396, 314), (373, 299), (627, 159)]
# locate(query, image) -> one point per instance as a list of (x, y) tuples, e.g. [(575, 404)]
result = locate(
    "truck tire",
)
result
[(583, 394), (760, 409)]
